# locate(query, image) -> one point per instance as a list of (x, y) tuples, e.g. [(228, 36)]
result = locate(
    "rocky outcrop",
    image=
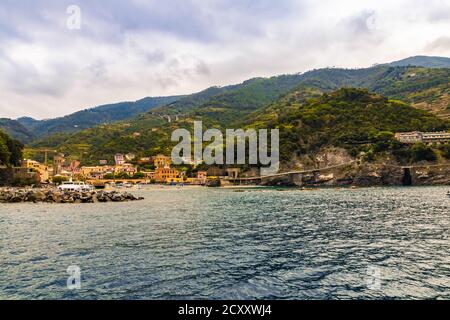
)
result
[(367, 175), (56, 196)]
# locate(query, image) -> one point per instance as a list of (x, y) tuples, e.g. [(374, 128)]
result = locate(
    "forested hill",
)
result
[(423, 61), (10, 150), (353, 119), (424, 88), (91, 117), (15, 129)]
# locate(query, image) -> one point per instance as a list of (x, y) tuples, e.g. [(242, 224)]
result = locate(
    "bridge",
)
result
[(288, 173), (102, 182)]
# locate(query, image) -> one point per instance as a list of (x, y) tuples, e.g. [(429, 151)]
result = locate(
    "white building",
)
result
[(119, 159), (424, 137)]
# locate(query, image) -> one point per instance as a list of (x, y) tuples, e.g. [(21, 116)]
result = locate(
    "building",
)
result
[(163, 172), (96, 172), (436, 137), (19, 175), (119, 159), (125, 168), (41, 169), (423, 137), (202, 177), (409, 137), (150, 175), (161, 161), (58, 163), (167, 175)]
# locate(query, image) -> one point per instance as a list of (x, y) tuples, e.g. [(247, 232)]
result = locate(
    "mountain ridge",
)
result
[(424, 88)]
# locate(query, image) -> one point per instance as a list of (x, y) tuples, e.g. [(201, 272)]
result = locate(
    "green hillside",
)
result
[(91, 117), (354, 119), (16, 130), (425, 88), (10, 150), (257, 102)]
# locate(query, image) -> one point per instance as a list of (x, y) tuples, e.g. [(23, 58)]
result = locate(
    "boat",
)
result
[(75, 186)]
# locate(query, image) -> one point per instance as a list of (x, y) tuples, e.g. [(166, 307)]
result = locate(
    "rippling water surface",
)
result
[(193, 243)]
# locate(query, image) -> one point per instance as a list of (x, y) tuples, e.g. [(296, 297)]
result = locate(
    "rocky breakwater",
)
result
[(57, 196)]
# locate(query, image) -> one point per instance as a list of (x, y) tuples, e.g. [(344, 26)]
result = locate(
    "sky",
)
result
[(58, 56)]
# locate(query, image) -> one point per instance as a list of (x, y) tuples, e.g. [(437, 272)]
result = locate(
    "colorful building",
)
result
[(161, 161), (41, 169)]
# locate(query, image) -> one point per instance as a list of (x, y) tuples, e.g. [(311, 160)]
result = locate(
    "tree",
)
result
[(445, 149), (422, 152), (15, 147), (122, 175), (4, 153), (10, 150), (139, 175), (108, 176), (59, 179)]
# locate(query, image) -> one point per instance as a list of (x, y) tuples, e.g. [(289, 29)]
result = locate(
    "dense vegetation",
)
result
[(10, 150), (16, 130), (307, 107), (354, 119)]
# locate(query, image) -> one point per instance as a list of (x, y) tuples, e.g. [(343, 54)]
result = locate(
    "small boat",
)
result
[(75, 186)]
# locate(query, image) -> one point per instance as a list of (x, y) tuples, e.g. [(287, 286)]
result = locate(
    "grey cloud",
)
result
[(129, 49)]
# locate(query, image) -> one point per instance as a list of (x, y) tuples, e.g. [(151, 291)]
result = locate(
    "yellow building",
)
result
[(96, 172), (42, 169), (161, 161)]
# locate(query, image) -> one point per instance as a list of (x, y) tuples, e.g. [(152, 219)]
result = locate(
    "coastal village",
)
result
[(119, 171), (127, 168)]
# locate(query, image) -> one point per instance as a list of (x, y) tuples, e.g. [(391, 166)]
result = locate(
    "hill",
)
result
[(423, 61), (16, 130), (353, 119), (254, 100), (425, 88), (91, 117)]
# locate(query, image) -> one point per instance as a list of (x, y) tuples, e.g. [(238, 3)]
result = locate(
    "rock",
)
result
[(56, 196)]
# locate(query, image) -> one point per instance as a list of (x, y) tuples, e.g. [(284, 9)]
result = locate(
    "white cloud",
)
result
[(128, 50)]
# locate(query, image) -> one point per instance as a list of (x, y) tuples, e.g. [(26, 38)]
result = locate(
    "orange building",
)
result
[(163, 172), (167, 175)]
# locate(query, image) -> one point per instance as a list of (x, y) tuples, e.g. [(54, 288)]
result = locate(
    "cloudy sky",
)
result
[(127, 50)]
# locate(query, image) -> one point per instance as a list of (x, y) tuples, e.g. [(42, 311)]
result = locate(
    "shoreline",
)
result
[(41, 195)]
